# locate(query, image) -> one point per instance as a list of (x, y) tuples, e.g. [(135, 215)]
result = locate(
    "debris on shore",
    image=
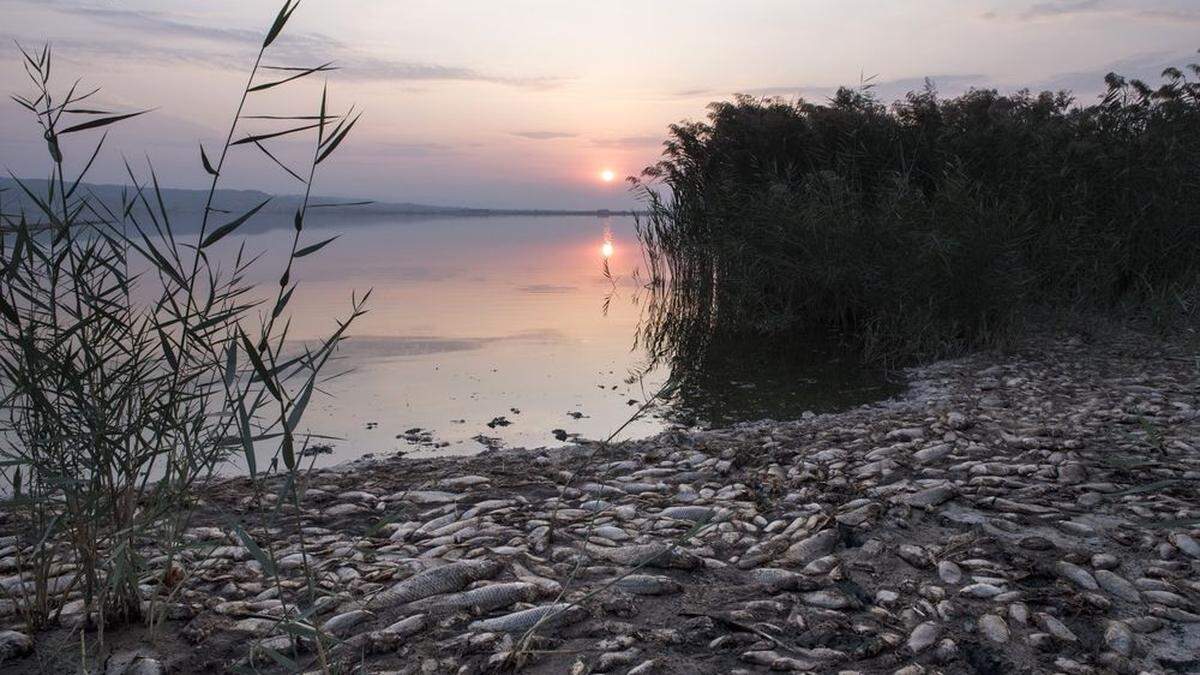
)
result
[(1031, 512)]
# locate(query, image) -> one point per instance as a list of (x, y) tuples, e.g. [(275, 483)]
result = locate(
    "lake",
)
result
[(506, 332)]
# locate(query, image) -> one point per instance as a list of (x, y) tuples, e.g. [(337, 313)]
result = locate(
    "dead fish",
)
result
[(695, 514), (444, 579), (649, 555), (776, 580), (339, 625), (409, 626), (477, 601), (648, 584), (818, 545), (549, 616)]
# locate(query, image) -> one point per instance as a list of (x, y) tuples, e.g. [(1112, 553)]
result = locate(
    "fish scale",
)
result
[(444, 579), (550, 616), (478, 600)]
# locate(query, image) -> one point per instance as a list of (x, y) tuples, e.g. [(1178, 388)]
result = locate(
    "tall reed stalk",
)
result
[(135, 361)]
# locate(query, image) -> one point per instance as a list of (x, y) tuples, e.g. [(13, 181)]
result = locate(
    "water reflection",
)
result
[(512, 330)]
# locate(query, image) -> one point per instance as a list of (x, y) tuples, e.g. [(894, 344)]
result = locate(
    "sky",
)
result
[(525, 103)]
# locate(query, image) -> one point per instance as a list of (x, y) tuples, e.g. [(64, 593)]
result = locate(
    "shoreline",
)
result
[(1035, 511)]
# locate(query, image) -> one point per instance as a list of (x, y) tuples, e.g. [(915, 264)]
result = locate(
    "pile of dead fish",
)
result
[(1037, 512)]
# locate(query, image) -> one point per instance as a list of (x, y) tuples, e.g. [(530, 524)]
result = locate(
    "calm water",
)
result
[(475, 319)]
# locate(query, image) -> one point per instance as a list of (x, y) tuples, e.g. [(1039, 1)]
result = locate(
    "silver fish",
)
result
[(649, 555), (550, 616), (477, 601), (648, 584), (444, 579)]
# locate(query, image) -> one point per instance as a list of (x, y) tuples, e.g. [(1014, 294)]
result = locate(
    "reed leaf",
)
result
[(313, 248), (102, 122), (228, 228)]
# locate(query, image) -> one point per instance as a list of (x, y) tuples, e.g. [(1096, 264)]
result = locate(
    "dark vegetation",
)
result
[(136, 360), (926, 228)]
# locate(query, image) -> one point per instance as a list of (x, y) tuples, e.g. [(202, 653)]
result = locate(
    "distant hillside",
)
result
[(188, 204)]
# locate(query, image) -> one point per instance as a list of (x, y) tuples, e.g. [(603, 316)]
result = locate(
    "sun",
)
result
[(606, 249), (608, 175)]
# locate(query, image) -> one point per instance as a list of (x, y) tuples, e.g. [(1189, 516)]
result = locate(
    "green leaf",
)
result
[(288, 449), (303, 72), (86, 167), (321, 131), (281, 20), (9, 312), (259, 366), (309, 250), (102, 122), (232, 225), (282, 302), (297, 412), (256, 551), (337, 139), (247, 438), (275, 134), (230, 364), (24, 103), (277, 161), (207, 164), (167, 351)]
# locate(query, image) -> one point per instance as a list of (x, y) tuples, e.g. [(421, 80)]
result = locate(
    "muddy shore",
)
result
[(1035, 511)]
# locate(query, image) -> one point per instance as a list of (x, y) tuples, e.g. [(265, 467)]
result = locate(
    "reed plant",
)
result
[(924, 228), (136, 360)]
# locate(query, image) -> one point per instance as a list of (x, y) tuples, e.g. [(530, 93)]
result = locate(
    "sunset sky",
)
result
[(524, 103)]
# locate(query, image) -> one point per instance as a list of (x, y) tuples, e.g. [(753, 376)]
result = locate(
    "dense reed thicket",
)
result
[(927, 227)]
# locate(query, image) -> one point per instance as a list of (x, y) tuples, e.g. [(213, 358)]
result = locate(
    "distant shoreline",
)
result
[(184, 201), (441, 211)]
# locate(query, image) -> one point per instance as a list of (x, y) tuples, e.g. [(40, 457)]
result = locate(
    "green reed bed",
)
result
[(927, 227)]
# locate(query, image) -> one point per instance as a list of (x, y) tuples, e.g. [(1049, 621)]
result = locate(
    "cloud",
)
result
[(1085, 83), (1061, 9), (543, 135), (627, 141), (1171, 15), (884, 90), (172, 39), (391, 149)]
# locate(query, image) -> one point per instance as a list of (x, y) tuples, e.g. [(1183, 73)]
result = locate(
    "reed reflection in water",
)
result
[(515, 331)]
